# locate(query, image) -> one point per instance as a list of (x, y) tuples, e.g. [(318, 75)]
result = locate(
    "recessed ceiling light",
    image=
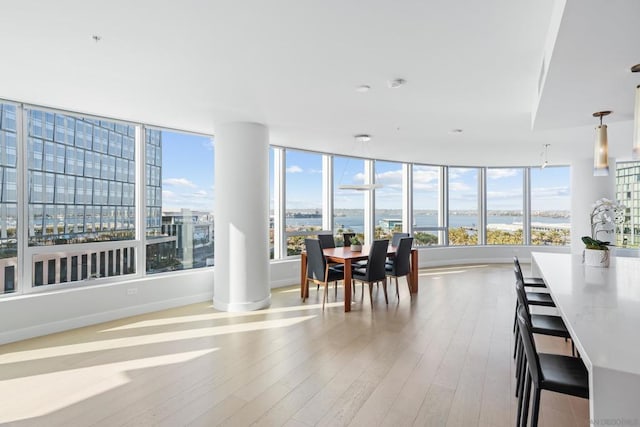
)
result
[(396, 83), (96, 38), (456, 131), (362, 137), (363, 88)]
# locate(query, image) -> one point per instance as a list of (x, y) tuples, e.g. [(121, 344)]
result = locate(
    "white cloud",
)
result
[(179, 182), (458, 186), (294, 169), (501, 173), (208, 144)]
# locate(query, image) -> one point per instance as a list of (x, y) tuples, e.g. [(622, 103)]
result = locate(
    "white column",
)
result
[(241, 278), (585, 190)]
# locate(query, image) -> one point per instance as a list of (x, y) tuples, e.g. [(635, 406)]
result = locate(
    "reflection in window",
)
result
[(464, 215), (550, 206), (179, 199), (505, 206)]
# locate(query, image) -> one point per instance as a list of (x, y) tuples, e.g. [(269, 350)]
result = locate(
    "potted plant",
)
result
[(596, 252), (604, 214), (356, 244)]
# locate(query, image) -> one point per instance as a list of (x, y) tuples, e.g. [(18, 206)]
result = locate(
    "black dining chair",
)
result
[(532, 282), (327, 241), (542, 324), (552, 372), (533, 298), (374, 271), (319, 270), (395, 238), (347, 238), (400, 264)]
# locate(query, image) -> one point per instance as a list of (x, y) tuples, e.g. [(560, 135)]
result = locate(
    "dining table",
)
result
[(601, 309), (346, 256)]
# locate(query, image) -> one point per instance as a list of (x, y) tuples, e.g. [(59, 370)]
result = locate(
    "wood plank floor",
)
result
[(442, 358)]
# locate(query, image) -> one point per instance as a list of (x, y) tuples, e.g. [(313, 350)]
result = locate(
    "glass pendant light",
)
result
[(601, 148)]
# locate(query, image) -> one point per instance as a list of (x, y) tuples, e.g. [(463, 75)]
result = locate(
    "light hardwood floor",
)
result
[(441, 358)]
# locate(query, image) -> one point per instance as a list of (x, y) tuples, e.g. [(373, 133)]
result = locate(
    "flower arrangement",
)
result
[(605, 214)]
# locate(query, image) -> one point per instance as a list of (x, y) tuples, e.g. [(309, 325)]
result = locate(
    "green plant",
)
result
[(355, 240), (592, 243)]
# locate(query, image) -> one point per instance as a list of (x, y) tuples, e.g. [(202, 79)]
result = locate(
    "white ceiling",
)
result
[(294, 65)]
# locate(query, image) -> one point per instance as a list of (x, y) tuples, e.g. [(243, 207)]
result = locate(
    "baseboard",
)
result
[(78, 322)]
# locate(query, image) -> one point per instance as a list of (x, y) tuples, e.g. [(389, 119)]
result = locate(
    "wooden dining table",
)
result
[(344, 255)]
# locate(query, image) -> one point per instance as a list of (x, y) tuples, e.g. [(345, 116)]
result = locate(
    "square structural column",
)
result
[(241, 276)]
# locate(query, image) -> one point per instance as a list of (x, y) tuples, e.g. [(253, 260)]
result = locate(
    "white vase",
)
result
[(596, 257), (356, 248)]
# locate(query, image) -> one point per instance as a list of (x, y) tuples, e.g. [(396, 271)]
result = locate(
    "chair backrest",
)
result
[(316, 263), (401, 261), (347, 238), (517, 270), (524, 325), (395, 238), (326, 241), (521, 294), (376, 264)]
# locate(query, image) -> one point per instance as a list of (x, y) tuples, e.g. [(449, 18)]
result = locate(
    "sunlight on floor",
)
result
[(85, 347), (216, 315), (87, 382)]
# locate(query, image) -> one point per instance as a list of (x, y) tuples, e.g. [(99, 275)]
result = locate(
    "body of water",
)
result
[(356, 222)]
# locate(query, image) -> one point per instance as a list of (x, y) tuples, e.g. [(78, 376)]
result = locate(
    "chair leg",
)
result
[(335, 290), (515, 345), (370, 292), (536, 407), (324, 295), (515, 317), (519, 365), (384, 287), (408, 277), (525, 407), (519, 390), (398, 290)]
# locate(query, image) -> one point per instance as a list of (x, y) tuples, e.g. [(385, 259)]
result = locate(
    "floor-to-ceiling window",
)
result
[(427, 217), (179, 200), (628, 194), (550, 206), (464, 212), (303, 213), (505, 204), (348, 204), (388, 199), (8, 198)]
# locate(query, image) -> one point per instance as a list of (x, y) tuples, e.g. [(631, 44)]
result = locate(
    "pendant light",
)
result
[(362, 138), (545, 161), (601, 149)]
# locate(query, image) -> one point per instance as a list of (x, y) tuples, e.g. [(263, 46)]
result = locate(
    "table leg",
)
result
[(414, 271), (347, 285), (304, 288)]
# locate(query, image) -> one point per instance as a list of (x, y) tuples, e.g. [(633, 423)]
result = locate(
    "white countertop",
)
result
[(600, 306)]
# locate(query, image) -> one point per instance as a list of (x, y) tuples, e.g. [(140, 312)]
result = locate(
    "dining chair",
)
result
[(327, 241), (542, 324), (374, 271), (400, 264), (532, 282), (319, 270), (347, 238), (395, 238), (552, 372)]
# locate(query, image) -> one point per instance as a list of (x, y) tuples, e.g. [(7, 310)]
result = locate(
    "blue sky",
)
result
[(550, 186), (187, 172), (187, 175)]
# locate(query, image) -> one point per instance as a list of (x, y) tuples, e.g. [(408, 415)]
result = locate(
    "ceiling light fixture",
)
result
[(359, 187), (456, 131), (396, 83), (96, 38), (601, 148), (363, 88), (636, 119), (545, 161)]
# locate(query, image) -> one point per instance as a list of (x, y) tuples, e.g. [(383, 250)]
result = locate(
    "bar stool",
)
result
[(553, 372)]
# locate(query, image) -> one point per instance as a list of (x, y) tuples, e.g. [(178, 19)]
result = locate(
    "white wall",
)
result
[(27, 316)]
